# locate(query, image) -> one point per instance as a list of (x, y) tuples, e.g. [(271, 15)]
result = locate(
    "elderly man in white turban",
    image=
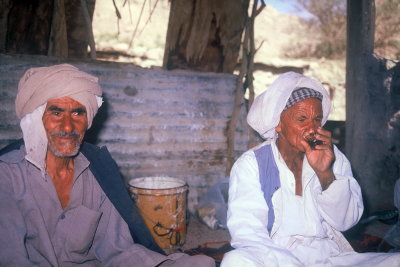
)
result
[(290, 197), (62, 200)]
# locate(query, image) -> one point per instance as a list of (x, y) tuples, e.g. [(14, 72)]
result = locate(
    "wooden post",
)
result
[(58, 43), (205, 35), (371, 145)]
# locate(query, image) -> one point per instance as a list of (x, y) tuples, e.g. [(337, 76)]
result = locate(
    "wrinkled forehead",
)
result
[(308, 107), (65, 102)]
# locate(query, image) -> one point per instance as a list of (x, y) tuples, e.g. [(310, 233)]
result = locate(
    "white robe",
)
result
[(306, 230)]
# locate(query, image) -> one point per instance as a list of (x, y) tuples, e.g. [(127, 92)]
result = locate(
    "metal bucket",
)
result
[(162, 205)]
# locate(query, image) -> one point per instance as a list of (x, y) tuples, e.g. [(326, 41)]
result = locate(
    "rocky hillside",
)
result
[(139, 37)]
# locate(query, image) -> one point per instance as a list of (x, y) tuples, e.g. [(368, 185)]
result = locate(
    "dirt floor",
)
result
[(200, 239), (198, 235)]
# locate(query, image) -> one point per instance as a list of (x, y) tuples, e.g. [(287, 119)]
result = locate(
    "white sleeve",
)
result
[(341, 205), (248, 215)]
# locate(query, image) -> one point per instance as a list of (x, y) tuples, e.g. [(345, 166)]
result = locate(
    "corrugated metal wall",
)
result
[(154, 122)]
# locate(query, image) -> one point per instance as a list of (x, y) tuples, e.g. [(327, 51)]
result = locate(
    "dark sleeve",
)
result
[(106, 171)]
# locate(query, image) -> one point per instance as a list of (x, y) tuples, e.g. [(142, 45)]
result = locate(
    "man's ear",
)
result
[(278, 128)]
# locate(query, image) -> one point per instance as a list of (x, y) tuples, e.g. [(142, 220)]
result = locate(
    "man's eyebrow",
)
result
[(79, 110), (55, 108)]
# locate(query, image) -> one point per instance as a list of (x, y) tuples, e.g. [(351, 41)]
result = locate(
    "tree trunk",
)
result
[(205, 35), (58, 44), (5, 6), (45, 27), (372, 110), (28, 27), (78, 31)]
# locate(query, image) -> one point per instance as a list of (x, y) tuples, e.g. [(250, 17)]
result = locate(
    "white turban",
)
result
[(265, 112), (39, 85)]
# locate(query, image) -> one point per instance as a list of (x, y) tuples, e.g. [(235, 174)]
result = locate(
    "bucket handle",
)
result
[(169, 230)]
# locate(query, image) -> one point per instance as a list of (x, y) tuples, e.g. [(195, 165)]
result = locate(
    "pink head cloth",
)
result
[(39, 85)]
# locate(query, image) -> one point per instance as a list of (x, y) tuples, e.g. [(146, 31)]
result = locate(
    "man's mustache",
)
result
[(64, 134)]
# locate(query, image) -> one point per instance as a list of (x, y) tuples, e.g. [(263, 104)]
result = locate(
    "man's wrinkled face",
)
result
[(65, 122), (299, 121)]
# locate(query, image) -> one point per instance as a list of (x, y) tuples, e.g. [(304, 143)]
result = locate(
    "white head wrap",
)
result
[(39, 85), (264, 114)]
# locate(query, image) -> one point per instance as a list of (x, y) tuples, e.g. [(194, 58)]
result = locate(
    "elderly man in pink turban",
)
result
[(62, 200), (291, 196)]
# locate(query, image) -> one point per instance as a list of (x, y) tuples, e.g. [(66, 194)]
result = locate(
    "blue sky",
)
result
[(288, 7)]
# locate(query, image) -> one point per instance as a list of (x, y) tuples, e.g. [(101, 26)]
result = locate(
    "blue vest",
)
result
[(269, 178)]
